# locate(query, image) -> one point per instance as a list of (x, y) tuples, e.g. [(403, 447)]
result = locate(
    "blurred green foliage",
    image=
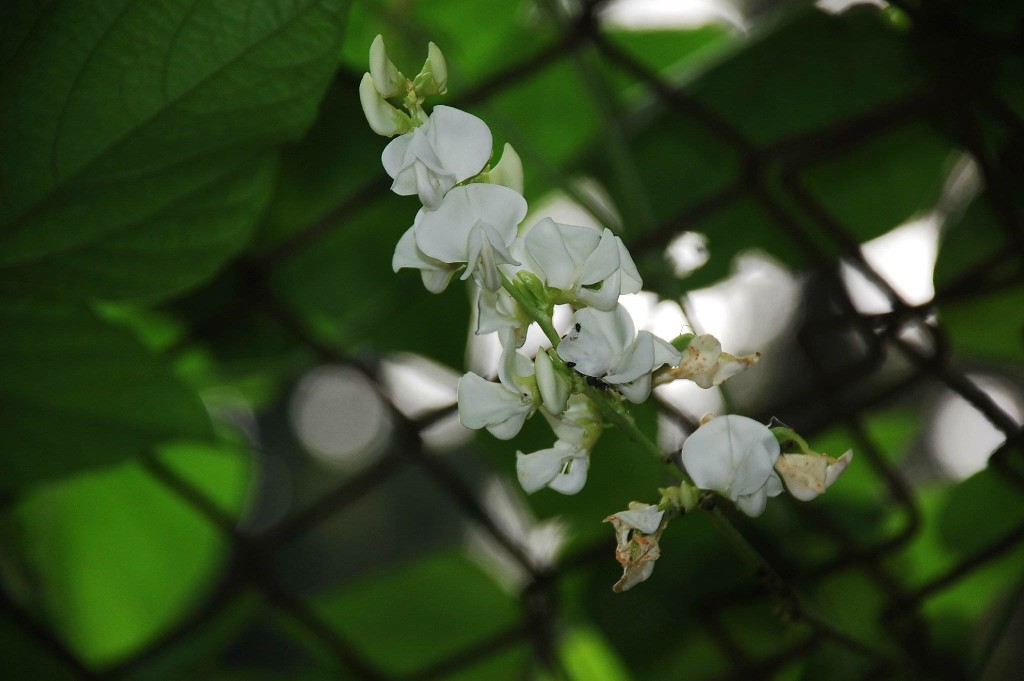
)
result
[(192, 215)]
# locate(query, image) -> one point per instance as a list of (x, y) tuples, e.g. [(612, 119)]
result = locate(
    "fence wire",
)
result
[(773, 178)]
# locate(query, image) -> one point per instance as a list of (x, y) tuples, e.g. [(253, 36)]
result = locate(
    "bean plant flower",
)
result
[(603, 346), (734, 456), (503, 407), (470, 225), (451, 147), (586, 266), (473, 226)]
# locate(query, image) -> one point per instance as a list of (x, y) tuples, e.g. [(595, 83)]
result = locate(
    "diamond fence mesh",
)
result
[(774, 179)]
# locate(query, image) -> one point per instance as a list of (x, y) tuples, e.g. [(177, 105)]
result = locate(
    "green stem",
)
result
[(614, 413), (542, 318)]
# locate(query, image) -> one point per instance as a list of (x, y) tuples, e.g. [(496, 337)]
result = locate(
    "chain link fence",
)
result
[(840, 395)]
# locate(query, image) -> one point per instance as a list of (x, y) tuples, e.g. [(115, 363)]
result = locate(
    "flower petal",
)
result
[(483, 403), (462, 141), (573, 475), (536, 470), (598, 344), (444, 233)]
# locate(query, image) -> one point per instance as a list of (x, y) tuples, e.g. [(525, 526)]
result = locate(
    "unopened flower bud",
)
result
[(386, 77), (383, 118), (433, 77), (509, 170)]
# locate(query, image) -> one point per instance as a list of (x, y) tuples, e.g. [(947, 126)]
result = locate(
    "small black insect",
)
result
[(596, 383), (571, 365), (577, 327)]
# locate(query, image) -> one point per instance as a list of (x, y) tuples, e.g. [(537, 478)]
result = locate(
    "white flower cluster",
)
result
[(471, 223)]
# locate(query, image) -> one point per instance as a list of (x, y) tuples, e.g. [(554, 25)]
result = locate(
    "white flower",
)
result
[(474, 225), (452, 146), (499, 311), (733, 455), (602, 345), (590, 267), (705, 364), (637, 532), (436, 274), (809, 475), (500, 407), (563, 468)]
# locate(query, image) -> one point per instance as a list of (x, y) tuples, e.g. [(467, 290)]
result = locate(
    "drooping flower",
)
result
[(473, 225), (602, 345), (705, 364), (809, 475), (637, 532), (503, 407), (587, 266), (562, 467), (734, 456), (452, 146)]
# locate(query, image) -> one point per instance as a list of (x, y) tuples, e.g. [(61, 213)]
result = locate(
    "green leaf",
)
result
[(139, 140), (117, 557), (78, 392)]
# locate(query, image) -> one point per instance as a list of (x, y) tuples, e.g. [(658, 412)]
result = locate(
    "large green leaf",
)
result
[(79, 392), (139, 139), (115, 556)]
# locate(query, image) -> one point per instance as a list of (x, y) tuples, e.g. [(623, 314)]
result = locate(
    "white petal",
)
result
[(435, 274), (665, 353), (509, 170), (774, 485), (598, 344), (486, 404), (536, 470), (462, 141), (635, 361), (513, 367), (636, 391), (444, 233), (732, 455), (753, 504), (393, 158), (385, 75), (571, 481), (383, 118), (486, 252), (603, 261), (510, 427), (559, 251), (631, 281)]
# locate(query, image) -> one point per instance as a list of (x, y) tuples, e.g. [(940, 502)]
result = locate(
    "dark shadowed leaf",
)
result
[(139, 139)]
